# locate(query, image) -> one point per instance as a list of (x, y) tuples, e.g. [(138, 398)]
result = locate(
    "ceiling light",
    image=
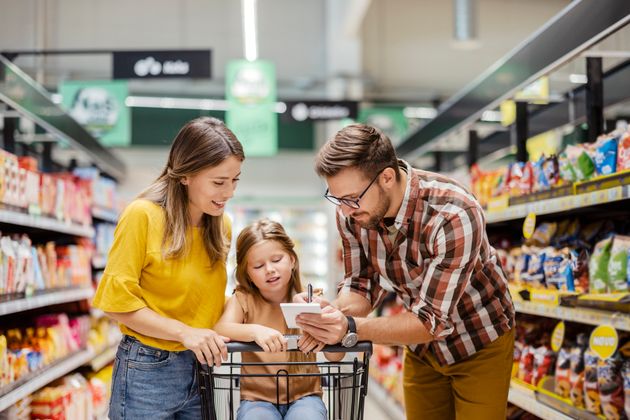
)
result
[(250, 35), (579, 79)]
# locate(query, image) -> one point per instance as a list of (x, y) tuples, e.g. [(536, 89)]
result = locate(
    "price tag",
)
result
[(615, 194), (604, 341), (557, 337), (529, 225)]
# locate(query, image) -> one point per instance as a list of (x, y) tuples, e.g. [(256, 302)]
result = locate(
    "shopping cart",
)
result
[(344, 383)]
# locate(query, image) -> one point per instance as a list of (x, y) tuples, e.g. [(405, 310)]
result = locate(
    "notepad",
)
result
[(291, 310)]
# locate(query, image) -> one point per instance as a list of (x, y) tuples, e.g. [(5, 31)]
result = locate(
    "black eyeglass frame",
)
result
[(352, 203)]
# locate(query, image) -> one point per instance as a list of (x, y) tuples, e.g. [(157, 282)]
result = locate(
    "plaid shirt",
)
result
[(440, 265)]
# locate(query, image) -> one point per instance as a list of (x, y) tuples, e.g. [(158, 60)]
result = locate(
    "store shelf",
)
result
[(526, 399), (588, 316), (103, 358), (44, 223), (45, 299), (99, 263), (377, 393), (44, 377), (560, 204), (106, 215)]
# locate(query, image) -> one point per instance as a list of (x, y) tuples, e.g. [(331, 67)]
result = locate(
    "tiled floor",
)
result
[(373, 411)]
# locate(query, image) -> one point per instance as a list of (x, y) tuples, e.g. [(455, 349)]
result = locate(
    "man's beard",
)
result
[(377, 215)]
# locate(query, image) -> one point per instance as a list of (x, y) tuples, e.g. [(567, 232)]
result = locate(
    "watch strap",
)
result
[(352, 325)]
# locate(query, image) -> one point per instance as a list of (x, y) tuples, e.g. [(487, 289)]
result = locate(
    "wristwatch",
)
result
[(351, 337)]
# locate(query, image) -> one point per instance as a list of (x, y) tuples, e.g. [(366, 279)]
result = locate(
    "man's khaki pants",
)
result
[(475, 388)]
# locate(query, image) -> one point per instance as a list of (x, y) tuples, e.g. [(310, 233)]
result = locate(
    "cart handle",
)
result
[(240, 347)]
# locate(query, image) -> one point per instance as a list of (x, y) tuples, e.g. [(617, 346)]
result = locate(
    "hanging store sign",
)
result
[(251, 115), (320, 110), (100, 108), (186, 64)]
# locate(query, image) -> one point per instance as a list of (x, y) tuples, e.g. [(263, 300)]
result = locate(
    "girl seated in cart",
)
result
[(268, 274)]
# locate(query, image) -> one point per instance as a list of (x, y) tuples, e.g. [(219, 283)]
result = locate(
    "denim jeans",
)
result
[(150, 383), (306, 408)]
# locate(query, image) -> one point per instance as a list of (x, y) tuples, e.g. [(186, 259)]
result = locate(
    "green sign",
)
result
[(100, 107), (251, 95), (389, 120)]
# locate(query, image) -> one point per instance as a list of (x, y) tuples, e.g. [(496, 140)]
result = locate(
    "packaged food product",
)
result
[(591, 387), (606, 155), (526, 364), (619, 277), (544, 363), (563, 371), (543, 234), (581, 162), (625, 372), (559, 269), (623, 153), (580, 261), (610, 384), (536, 268), (598, 266)]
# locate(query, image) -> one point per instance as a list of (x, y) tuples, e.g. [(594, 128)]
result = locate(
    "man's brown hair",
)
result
[(357, 146)]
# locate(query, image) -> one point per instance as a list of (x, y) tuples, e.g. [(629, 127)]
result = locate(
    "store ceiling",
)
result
[(407, 53)]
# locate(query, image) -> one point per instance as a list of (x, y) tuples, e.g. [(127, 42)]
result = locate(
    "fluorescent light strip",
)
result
[(579, 79), (419, 112), (176, 103), (491, 116), (187, 103), (250, 33)]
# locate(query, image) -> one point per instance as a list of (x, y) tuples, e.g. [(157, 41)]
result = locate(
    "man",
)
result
[(424, 235)]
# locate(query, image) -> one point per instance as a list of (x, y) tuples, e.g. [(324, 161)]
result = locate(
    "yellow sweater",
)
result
[(189, 289)]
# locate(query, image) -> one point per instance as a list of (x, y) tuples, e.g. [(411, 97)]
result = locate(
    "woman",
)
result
[(165, 277)]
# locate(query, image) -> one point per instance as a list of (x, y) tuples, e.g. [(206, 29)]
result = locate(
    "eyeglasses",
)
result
[(352, 203)]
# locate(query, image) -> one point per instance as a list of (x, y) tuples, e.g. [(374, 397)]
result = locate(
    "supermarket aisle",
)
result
[(374, 411)]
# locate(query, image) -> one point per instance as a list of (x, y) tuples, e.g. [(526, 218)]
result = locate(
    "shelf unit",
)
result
[(45, 376), (526, 399), (106, 215), (44, 223), (382, 397), (560, 204), (104, 358), (620, 321), (45, 299)]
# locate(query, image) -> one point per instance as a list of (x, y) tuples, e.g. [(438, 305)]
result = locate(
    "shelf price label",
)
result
[(529, 225), (604, 341), (557, 337)]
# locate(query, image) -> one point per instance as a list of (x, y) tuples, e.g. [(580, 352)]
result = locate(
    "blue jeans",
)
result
[(150, 383), (306, 408)]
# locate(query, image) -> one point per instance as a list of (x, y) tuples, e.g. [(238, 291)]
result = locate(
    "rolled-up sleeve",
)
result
[(119, 289), (454, 246), (359, 275)]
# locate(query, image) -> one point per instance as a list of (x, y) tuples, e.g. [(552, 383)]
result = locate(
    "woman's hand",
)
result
[(208, 346), (308, 344), (269, 340)]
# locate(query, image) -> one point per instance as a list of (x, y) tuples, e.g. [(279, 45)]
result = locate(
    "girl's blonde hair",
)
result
[(259, 231), (268, 230), (202, 143)]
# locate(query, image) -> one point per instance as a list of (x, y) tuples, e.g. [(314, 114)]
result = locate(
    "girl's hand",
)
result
[(208, 346), (269, 340), (308, 344)]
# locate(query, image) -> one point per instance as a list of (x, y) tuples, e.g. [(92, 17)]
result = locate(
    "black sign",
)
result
[(320, 110), (187, 64)]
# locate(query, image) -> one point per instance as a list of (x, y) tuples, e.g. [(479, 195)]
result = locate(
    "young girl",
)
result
[(165, 277), (267, 274)]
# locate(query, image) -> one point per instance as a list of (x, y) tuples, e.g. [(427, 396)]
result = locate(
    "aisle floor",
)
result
[(373, 411)]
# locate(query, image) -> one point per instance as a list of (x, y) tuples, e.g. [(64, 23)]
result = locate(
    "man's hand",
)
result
[(329, 327)]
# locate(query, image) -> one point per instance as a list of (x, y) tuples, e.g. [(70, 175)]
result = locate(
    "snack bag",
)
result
[(581, 162), (544, 363), (623, 153), (543, 234), (591, 387), (559, 270), (618, 266), (551, 171), (576, 376), (579, 263), (526, 364), (563, 372), (625, 373), (606, 156), (536, 268), (598, 266), (610, 383)]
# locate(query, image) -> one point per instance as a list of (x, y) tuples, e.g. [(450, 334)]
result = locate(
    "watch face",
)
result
[(350, 340)]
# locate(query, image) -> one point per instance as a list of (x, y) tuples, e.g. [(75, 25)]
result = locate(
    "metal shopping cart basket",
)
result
[(344, 383)]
